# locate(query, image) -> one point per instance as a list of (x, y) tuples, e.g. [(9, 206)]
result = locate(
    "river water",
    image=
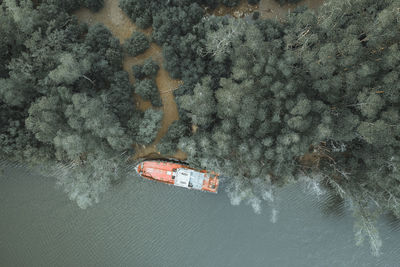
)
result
[(144, 223)]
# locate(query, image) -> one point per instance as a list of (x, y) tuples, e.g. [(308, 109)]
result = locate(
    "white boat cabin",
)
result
[(189, 178)]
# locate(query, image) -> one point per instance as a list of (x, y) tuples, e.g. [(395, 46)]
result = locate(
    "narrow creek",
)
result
[(122, 28)]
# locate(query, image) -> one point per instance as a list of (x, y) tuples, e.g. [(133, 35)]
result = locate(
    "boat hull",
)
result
[(178, 174)]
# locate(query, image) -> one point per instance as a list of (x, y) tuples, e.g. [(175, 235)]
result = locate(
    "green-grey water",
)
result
[(143, 223)]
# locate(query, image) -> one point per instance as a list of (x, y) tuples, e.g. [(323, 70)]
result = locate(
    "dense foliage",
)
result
[(316, 96), (142, 12), (71, 5), (167, 146), (283, 2), (136, 44), (147, 89), (265, 103), (148, 69), (64, 98), (145, 81)]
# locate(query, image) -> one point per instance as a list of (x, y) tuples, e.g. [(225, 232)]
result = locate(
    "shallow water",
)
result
[(144, 223)]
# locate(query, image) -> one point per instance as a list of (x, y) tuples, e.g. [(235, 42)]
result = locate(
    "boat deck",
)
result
[(179, 175)]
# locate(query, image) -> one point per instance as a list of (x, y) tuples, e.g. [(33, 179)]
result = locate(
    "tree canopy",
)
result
[(136, 44), (65, 101), (264, 94), (259, 98)]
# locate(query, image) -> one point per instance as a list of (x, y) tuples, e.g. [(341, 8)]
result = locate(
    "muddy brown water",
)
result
[(122, 27)]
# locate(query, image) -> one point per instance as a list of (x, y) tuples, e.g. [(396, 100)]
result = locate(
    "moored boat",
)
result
[(178, 174)]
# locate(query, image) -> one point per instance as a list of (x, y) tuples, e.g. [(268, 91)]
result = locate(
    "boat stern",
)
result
[(211, 183)]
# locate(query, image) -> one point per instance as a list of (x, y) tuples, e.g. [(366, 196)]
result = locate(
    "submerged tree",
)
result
[(148, 90), (136, 44), (149, 69)]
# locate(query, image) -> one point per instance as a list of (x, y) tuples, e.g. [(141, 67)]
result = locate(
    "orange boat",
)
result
[(179, 175)]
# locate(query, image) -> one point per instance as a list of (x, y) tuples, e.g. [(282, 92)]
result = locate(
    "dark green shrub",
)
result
[(147, 89), (284, 2), (148, 69), (93, 5), (136, 44)]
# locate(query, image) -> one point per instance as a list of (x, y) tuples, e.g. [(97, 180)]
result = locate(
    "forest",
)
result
[(313, 97)]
